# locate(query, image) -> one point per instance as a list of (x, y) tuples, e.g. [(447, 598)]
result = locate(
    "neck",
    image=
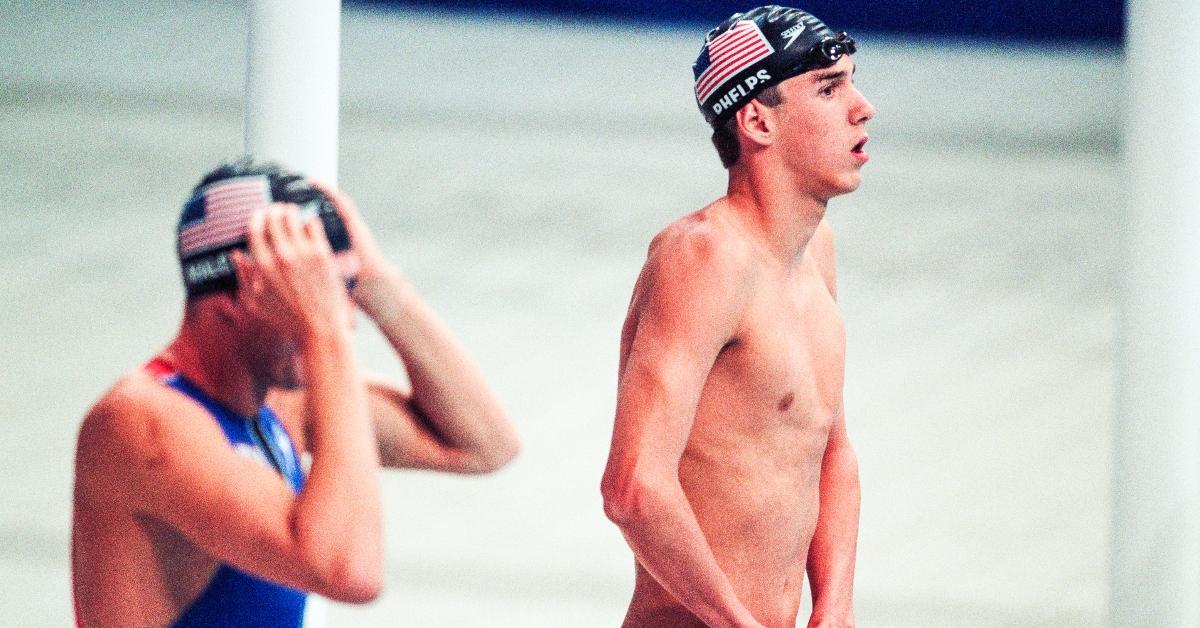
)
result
[(785, 213), (208, 358)]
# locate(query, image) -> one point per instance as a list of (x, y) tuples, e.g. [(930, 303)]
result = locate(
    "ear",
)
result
[(756, 123)]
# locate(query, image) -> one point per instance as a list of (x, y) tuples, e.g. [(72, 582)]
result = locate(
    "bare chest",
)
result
[(783, 374)]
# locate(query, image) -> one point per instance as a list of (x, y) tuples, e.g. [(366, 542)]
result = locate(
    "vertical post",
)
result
[(292, 84), (1155, 560), (292, 95)]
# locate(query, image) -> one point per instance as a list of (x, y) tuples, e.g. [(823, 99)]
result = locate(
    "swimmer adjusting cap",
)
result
[(752, 51), (214, 221)]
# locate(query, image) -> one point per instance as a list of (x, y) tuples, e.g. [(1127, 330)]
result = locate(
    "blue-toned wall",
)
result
[(1100, 21)]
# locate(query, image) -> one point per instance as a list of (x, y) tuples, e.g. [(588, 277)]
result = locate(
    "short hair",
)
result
[(282, 182), (725, 137)]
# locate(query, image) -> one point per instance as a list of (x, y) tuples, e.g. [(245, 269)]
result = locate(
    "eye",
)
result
[(828, 89)]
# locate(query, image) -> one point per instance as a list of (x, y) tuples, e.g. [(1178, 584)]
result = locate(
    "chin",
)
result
[(287, 375), (849, 185)]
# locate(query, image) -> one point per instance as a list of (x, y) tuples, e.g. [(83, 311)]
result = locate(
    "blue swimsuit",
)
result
[(234, 597)]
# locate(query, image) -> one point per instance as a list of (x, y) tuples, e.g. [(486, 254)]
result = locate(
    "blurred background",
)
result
[(516, 157)]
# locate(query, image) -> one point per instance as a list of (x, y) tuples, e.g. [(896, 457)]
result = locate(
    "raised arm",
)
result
[(169, 462), (684, 311), (450, 420)]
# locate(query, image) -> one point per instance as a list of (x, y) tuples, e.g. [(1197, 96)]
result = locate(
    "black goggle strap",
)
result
[(829, 50)]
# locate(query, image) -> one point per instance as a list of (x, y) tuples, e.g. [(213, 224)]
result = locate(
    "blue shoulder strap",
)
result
[(234, 597), (262, 438)]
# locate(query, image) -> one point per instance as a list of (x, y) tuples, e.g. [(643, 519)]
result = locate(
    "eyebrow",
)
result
[(829, 76)]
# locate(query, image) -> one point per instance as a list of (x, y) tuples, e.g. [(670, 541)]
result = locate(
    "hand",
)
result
[(830, 621), (362, 242), (289, 277), (379, 284)]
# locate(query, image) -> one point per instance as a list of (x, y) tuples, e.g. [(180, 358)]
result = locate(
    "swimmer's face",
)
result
[(821, 128), (276, 355)]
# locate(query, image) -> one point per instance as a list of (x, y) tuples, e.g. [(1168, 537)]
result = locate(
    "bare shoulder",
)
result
[(702, 251), (693, 289), (822, 244), (125, 412), (129, 427), (822, 248)]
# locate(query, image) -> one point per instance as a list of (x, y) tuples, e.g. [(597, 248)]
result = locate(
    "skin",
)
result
[(448, 419), (730, 472), (160, 496)]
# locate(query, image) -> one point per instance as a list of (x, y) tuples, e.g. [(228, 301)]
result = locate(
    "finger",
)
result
[(277, 230), (341, 202), (314, 231), (292, 232), (241, 265), (249, 281), (256, 235), (346, 210)]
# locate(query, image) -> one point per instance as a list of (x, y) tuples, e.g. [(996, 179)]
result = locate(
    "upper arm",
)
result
[(405, 437), (684, 311), (177, 467), (408, 439), (822, 246)]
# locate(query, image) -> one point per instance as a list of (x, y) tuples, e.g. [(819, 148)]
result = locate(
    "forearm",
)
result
[(337, 519), (666, 539), (832, 552), (447, 387)]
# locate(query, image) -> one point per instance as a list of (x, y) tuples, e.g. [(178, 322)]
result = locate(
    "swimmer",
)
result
[(238, 470), (730, 472)]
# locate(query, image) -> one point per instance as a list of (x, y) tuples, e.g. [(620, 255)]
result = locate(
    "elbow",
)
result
[(363, 589), (625, 497), (347, 568), (497, 454), (841, 457), (502, 455), (355, 581), (504, 452)]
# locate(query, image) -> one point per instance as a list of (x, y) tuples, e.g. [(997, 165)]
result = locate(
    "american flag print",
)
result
[(728, 54), (218, 215)]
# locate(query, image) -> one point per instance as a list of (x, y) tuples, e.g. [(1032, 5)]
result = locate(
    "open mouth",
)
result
[(858, 148)]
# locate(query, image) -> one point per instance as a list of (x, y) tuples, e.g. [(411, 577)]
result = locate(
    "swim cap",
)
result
[(752, 51), (214, 221)]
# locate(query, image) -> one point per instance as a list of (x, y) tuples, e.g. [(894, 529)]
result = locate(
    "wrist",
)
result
[(734, 616), (748, 621), (831, 618), (326, 337), (383, 294)]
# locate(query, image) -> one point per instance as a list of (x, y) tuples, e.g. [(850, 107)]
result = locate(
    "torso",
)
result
[(130, 569), (752, 465)]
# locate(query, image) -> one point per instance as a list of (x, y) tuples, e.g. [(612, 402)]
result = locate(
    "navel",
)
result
[(786, 402)]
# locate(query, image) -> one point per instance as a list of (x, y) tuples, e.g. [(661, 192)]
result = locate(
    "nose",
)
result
[(862, 110)]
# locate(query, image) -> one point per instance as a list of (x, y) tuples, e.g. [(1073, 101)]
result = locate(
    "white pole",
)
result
[(292, 84), (292, 105), (1155, 575)]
